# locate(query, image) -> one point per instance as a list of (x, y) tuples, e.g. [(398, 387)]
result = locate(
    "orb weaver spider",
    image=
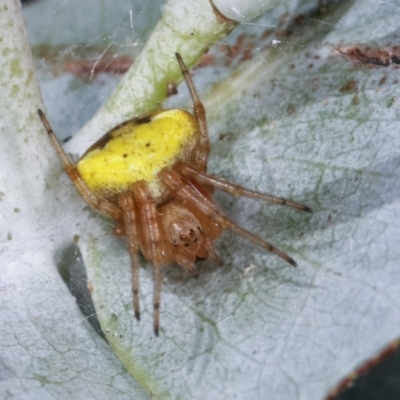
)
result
[(149, 175)]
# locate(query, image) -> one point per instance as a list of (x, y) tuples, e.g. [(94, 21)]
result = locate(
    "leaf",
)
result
[(47, 349), (310, 121)]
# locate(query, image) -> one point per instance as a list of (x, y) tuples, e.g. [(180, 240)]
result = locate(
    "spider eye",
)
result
[(190, 236)]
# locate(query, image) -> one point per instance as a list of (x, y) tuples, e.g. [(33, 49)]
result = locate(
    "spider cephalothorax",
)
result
[(149, 175)]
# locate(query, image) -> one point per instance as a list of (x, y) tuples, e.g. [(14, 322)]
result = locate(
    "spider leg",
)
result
[(94, 200), (127, 204), (189, 266), (150, 239), (262, 243), (184, 191), (212, 253), (237, 190), (200, 115)]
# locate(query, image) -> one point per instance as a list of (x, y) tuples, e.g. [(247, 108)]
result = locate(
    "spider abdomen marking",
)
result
[(137, 151)]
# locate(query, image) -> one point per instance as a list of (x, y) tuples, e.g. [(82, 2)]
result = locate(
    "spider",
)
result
[(149, 175)]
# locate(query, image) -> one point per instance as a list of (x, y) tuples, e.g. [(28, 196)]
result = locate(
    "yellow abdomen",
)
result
[(138, 150)]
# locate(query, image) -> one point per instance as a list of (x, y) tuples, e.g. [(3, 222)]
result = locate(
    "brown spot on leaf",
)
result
[(350, 86), (206, 60), (382, 80), (110, 65), (291, 109), (383, 57)]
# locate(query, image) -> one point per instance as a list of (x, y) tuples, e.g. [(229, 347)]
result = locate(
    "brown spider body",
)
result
[(149, 175)]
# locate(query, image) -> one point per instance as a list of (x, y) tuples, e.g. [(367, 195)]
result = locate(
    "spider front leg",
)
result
[(126, 202), (237, 190), (199, 112), (150, 239), (95, 201)]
